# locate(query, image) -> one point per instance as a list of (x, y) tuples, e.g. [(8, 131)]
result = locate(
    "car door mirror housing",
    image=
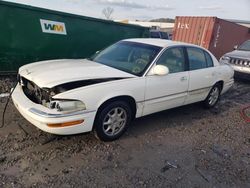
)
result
[(160, 70), (235, 47)]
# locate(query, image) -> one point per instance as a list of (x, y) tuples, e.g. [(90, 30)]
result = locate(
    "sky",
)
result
[(149, 9)]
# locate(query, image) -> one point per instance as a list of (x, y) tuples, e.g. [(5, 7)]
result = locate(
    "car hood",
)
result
[(239, 54), (51, 73)]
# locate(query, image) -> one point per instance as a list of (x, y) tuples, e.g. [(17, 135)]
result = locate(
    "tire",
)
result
[(112, 120), (213, 96)]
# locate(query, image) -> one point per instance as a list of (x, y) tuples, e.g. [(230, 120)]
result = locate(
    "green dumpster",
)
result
[(29, 34)]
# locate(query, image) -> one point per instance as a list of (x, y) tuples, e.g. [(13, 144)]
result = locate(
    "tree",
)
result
[(107, 12)]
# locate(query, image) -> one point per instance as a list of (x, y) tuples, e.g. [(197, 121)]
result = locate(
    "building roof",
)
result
[(158, 42), (161, 25)]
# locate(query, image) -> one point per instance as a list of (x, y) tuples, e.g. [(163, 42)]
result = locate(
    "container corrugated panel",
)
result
[(226, 35), (195, 30), (217, 35), (29, 34)]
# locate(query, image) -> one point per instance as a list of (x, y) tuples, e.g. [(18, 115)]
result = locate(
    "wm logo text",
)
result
[(53, 27)]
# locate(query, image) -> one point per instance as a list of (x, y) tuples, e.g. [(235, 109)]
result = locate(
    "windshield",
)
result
[(245, 46), (130, 57)]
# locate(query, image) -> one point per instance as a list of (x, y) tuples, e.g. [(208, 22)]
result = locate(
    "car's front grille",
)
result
[(33, 92), (240, 62)]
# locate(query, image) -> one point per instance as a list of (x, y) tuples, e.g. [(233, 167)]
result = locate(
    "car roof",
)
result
[(159, 42)]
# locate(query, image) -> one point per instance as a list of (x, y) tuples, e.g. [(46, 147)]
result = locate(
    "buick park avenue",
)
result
[(129, 79)]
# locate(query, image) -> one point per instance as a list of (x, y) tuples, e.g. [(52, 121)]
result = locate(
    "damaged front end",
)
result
[(35, 93), (44, 96)]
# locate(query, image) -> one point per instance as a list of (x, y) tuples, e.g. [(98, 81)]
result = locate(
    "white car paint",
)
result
[(51, 73), (164, 92), (152, 93), (24, 106)]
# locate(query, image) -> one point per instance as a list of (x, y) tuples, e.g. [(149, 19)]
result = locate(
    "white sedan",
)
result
[(130, 79)]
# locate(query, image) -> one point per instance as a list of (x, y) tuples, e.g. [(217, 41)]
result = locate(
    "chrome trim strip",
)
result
[(48, 115), (163, 97), (185, 92), (200, 90)]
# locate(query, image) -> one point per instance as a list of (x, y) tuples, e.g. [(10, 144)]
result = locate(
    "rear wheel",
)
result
[(112, 120), (213, 96)]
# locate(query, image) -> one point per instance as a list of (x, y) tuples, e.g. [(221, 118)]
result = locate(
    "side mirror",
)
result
[(160, 70), (235, 47)]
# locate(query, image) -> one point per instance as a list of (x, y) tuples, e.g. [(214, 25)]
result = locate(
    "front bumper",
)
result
[(241, 72), (227, 86), (242, 75), (241, 69), (40, 116)]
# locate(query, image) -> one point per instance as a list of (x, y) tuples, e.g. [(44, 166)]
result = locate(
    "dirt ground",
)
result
[(183, 147)]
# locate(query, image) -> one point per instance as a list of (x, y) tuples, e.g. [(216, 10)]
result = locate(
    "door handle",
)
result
[(183, 78)]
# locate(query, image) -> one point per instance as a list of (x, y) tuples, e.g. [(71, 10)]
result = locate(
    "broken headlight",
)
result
[(67, 105)]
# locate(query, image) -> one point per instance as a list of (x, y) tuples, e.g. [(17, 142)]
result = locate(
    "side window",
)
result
[(197, 59), (174, 59), (210, 62)]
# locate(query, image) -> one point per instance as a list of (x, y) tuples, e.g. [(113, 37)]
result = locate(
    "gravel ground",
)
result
[(182, 147)]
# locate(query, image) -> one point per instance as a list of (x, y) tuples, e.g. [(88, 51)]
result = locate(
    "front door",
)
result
[(164, 92)]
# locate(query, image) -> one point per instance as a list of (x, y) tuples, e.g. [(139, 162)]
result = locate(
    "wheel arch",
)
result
[(220, 83), (126, 98)]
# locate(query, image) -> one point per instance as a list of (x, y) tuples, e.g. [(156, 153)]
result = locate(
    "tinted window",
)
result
[(131, 57), (209, 60), (197, 59), (155, 34), (245, 46), (164, 35), (174, 59)]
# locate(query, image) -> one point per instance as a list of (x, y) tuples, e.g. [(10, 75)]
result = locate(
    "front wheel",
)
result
[(112, 120), (213, 96)]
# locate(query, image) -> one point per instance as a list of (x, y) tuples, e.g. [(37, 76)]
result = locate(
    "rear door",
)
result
[(202, 74)]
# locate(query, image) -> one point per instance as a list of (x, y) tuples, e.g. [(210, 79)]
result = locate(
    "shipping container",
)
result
[(215, 34), (29, 34)]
